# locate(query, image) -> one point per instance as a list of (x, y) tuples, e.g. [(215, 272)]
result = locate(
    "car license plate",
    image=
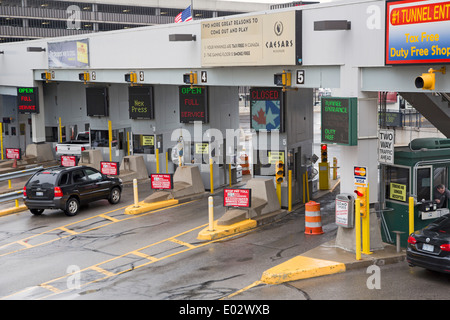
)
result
[(428, 247), (39, 193)]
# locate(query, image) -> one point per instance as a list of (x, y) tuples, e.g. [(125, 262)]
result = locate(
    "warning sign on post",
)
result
[(161, 181), (386, 146), (237, 198)]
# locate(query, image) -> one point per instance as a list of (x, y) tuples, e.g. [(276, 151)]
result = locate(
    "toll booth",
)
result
[(417, 170)]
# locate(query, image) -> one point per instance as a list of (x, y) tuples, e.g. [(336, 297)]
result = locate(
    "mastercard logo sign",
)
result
[(359, 171)]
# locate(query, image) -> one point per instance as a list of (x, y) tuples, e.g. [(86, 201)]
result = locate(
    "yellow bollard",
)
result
[(304, 189), (211, 213), (60, 131), (411, 215), (290, 190), (279, 192), (110, 139), (334, 168), (135, 192), (366, 226), (307, 186), (157, 159), (358, 228), (167, 162), (211, 176)]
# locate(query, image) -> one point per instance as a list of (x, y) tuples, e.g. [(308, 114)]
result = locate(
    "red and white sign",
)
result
[(237, 197), (109, 168), (68, 161), (161, 181), (13, 153)]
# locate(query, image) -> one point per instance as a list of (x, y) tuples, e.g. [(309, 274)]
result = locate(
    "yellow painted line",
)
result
[(183, 243), (254, 284), (51, 288), (65, 227), (68, 230), (101, 270), (109, 218), (25, 244), (301, 267), (143, 255)]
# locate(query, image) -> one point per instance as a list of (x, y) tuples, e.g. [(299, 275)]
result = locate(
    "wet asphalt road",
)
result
[(150, 256)]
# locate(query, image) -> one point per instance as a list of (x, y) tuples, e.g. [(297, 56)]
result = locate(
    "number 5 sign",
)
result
[(300, 76)]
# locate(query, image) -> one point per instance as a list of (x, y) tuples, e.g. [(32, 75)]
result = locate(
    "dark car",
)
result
[(67, 188), (430, 247)]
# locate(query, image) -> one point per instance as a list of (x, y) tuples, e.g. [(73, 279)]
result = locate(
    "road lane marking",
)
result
[(100, 267), (25, 245)]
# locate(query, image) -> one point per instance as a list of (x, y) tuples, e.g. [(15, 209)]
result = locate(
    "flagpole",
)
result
[(192, 9)]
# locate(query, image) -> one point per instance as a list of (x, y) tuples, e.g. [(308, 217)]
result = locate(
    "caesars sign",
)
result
[(269, 39)]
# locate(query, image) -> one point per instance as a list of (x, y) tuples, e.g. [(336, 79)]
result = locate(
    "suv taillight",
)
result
[(58, 192), (412, 240), (445, 247), (25, 191)]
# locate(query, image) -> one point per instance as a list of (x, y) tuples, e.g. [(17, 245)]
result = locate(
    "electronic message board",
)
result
[(140, 101), (266, 109), (97, 101), (28, 100), (193, 104), (339, 121)]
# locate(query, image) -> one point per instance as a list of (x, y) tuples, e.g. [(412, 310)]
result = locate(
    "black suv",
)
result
[(67, 188)]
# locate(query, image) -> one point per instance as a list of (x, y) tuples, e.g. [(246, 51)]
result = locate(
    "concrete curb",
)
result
[(12, 210), (146, 207), (221, 231), (301, 267)]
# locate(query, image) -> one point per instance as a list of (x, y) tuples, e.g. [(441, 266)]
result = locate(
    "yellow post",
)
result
[(229, 173), (167, 162), (334, 168), (358, 228), (290, 190), (157, 159), (211, 176), (60, 131), (304, 189), (128, 143), (307, 186), (1, 139), (279, 192), (411, 215), (366, 226), (110, 139)]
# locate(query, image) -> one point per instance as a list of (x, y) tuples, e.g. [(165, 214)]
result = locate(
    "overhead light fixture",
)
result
[(182, 37), (330, 25), (35, 49)]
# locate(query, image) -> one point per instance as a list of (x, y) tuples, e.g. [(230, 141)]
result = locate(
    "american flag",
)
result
[(185, 15)]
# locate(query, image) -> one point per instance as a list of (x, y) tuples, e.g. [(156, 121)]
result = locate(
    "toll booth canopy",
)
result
[(417, 170)]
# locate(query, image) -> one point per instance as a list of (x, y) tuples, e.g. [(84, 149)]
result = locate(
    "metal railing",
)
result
[(18, 194)]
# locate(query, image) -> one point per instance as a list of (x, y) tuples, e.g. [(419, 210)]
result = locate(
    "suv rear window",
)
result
[(44, 177)]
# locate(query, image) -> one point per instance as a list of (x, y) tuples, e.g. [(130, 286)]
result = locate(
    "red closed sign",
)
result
[(237, 198), (68, 161), (13, 153)]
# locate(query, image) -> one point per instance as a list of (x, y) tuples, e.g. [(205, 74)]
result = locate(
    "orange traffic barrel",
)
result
[(313, 219), (245, 166)]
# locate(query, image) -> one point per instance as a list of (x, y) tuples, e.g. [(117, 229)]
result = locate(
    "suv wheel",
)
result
[(72, 207), (36, 212), (114, 196)]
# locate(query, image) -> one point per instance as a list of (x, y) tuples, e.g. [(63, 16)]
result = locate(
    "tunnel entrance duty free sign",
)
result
[(417, 32), (386, 146)]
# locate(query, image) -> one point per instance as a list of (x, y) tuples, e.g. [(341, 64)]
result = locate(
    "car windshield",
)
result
[(43, 178)]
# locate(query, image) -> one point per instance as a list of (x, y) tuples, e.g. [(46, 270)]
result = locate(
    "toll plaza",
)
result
[(160, 97), (417, 170)]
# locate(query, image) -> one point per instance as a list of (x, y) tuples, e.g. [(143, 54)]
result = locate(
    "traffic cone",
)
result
[(245, 166), (313, 219), (14, 163)]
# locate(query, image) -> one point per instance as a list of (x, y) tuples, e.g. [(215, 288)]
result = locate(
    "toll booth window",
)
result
[(424, 184), (143, 143), (397, 184)]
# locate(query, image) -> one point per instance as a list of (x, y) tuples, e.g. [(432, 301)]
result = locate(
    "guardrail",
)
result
[(16, 195)]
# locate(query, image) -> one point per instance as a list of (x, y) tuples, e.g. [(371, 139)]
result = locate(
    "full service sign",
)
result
[(193, 104), (417, 32), (237, 198), (28, 100), (260, 40)]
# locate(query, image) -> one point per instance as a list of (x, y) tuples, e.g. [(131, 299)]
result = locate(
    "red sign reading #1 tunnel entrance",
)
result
[(417, 32)]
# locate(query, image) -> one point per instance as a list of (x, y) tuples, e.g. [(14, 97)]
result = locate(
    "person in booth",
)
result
[(440, 195)]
